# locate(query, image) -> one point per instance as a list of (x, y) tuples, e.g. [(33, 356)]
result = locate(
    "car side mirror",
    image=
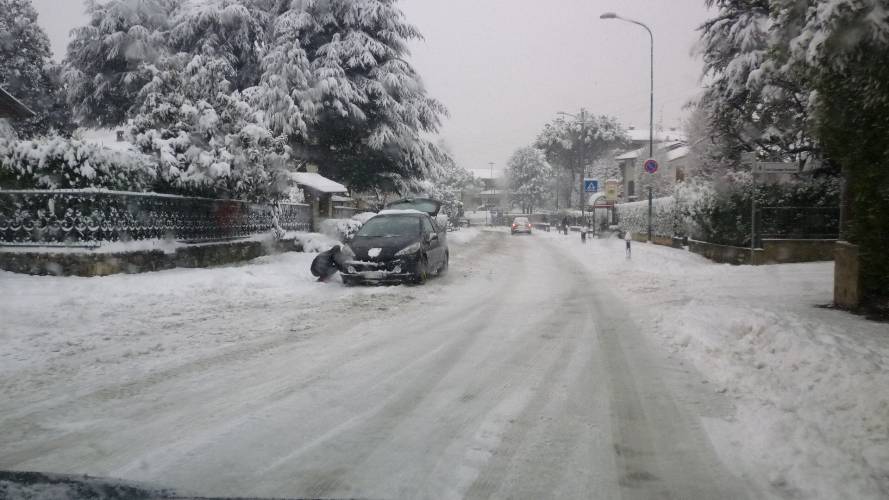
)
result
[(430, 237)]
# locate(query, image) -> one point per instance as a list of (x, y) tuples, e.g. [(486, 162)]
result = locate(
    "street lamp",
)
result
[(612, 15)]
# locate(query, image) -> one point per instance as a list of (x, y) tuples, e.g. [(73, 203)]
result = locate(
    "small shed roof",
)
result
[(317, 182), (10, 107)]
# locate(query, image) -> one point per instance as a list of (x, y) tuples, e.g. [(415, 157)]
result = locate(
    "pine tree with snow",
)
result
[(28, 72), (528, 173), (103, 67), (330, 77), (754, 101)]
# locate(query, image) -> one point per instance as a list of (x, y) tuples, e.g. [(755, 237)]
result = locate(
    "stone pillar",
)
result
[(846, 276)]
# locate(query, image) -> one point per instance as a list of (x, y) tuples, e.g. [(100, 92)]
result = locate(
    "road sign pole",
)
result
[(649, 212)]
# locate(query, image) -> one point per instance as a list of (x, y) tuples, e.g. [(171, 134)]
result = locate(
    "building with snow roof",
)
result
[(321, 193), (672, 168), (493, 192)]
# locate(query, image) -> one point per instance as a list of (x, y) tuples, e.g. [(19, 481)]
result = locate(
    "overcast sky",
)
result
[(505, 67)]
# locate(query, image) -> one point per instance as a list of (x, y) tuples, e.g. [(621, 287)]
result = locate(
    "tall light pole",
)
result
[(612, 15)]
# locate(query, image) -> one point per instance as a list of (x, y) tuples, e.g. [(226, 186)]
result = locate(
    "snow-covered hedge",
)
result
[(721, 214), (633, 217), (340, 229), (59, 163)]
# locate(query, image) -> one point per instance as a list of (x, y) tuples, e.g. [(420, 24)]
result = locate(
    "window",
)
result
[(680, 175), (631, 188), (427, 226)]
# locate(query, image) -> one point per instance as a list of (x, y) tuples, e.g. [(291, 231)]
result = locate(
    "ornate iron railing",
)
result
[(92, 217)]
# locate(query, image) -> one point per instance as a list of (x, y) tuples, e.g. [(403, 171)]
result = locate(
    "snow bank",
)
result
[(340, 229), (315, 242), (463, 236), (810, 385)]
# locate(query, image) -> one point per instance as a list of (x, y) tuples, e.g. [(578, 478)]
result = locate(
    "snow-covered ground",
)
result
[(537, 367), (811, 385)]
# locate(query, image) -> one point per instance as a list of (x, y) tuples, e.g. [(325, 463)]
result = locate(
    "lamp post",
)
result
[(612, 15)]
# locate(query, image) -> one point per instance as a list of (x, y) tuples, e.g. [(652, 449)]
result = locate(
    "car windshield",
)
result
[(445, 249), (388, 226)]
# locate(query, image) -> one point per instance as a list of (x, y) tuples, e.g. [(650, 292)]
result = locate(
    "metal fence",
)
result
[(798, 222), (90, 217)]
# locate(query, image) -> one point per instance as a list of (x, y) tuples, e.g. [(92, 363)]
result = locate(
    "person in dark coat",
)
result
[(565, 225), (324, 265)]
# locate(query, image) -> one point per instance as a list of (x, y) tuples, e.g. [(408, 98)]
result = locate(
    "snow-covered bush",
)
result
[(720, 213), (59, 163), (633, 217), (340, 229)]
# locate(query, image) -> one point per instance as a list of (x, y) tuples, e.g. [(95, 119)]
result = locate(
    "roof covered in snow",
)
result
[(677, 153), (317, 182), (630, 155)]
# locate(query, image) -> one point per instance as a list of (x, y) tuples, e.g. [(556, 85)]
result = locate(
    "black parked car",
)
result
[(402, 243)]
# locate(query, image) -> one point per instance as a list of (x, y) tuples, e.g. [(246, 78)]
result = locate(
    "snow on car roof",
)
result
[(409, 211)]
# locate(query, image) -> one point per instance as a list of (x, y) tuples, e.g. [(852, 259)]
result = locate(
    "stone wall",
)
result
[(788, 251), (724, 254), (87, 263)]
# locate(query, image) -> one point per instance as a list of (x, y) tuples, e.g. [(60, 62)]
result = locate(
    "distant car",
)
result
[(403, 243), (521, 225)]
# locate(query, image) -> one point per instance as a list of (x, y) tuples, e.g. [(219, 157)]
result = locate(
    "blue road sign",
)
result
[(590, 185), (650, 166)]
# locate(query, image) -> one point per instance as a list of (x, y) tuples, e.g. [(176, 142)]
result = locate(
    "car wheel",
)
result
[(422, 273), (349, 281)]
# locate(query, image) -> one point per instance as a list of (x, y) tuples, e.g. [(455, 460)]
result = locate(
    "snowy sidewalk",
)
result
[(811, 385)]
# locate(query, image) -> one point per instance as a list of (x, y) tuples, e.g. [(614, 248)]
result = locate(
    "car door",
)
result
[(434, 248)]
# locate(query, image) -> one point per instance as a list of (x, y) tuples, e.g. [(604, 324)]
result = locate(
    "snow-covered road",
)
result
[(521, 374)]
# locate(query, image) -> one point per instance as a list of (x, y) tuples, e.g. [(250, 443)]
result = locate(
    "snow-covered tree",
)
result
[(27, 70), (329, 76), (365, 107), (103, 68), (574, 144), (753, 99), (207, 143), (528, 173)]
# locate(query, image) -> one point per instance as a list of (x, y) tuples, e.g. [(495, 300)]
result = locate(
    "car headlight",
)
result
[(413, 248), (347, 251)]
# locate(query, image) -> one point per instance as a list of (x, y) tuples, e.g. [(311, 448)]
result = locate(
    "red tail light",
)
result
[(529, 226), (513, 225)]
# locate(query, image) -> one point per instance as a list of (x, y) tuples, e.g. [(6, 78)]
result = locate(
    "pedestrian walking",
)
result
[(565, 225), (628, 238), (583, 235)]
